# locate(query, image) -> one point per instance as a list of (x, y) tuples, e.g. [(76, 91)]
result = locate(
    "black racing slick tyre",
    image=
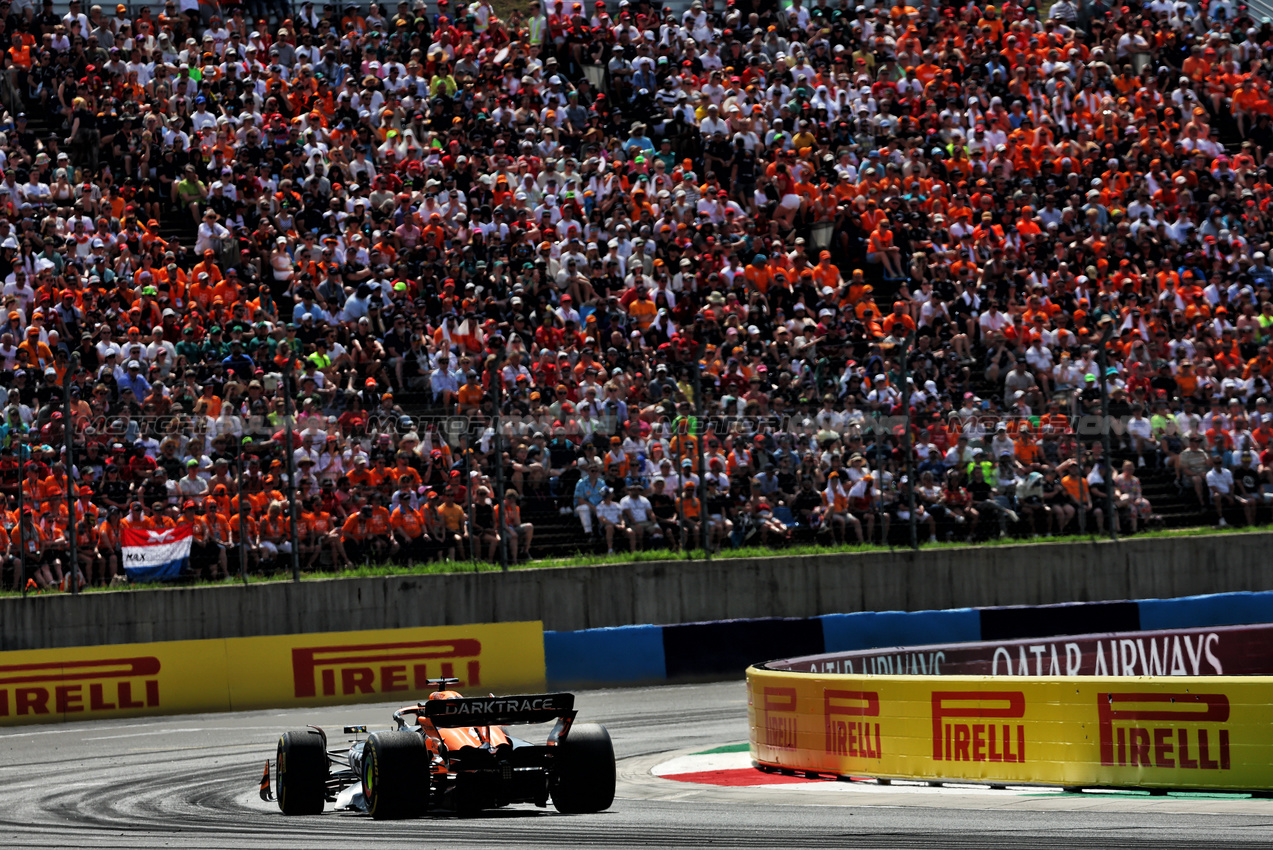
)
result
[(583, 776), (301, 772), (395, 774)]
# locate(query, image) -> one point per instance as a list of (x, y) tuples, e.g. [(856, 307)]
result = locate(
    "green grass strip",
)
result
[(751, 552), (728, 748)]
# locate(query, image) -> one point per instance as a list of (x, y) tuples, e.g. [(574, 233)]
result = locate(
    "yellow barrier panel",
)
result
[(1087, 731), (127, 680), (134, 680), (342, 667)]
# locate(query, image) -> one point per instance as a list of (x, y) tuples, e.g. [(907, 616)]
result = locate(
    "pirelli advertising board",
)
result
[(48, 685), (1167, 732)]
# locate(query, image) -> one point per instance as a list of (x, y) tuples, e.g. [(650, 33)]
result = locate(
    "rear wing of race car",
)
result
[(501, 711)]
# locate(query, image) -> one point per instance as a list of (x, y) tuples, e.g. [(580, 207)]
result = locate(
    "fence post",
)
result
[(243, 515), (22, 545), (698, 424), (1107, 332), (288, 409), (906, 441), (497, 450), (69, 432)]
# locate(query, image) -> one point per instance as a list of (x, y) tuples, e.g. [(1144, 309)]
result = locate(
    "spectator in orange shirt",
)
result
[(246, 534), (109, 543), (642, 309), (275, 531), (1026, 449), (452, 523), (870, 320), (56, 547), (409, 526), (404, 475), (1080, 495), (207, 555), (34, 353), (757, 273), (368, 532), (899, 323), (210, 267), (136, 519), (471, 394), (518, 534), (825, 273), (201, 291), (361, 477), (880, 249), (314, 530)]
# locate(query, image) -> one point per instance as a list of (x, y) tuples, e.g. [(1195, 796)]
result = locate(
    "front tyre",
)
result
[(301, 771), (583, 775), (394, 774)]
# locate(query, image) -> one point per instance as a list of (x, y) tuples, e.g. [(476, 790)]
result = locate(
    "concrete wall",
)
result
[(656, 592)]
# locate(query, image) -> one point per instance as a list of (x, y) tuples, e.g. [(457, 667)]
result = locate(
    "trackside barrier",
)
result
[(133, 680), (627, 655), (869, 629), (1218, 651), (624, 655), (1215, 609), (1208, 733)]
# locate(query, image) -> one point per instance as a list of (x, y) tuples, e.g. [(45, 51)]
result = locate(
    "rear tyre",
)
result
[(301, 771), (583, 777), (394, 774)]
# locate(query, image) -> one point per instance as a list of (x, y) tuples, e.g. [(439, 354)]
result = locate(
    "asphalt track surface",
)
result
[(190, 782)]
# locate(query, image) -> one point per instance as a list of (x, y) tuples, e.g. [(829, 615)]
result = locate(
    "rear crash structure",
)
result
[(449, 754)]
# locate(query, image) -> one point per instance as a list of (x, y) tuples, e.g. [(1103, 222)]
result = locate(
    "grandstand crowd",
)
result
[(704, 267)]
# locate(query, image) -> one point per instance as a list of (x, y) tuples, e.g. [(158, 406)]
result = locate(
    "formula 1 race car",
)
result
[(449, 754)]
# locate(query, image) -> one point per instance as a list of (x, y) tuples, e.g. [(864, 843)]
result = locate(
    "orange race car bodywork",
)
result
[(456, 737), (450, 753)]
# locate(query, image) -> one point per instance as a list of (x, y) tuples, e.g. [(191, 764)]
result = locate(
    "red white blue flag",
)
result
[(156, 555)]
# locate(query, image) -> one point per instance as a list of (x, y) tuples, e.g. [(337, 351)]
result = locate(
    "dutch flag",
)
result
[(160, 555)]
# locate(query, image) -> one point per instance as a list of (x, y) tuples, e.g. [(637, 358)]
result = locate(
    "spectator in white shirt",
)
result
[(211, 234), (1220, 485), (1039, 356), (992, 320), (1141, 432), (1002, 444), (960, 454), (192, 484), (713, 123), (638, 514), (610, 515)]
